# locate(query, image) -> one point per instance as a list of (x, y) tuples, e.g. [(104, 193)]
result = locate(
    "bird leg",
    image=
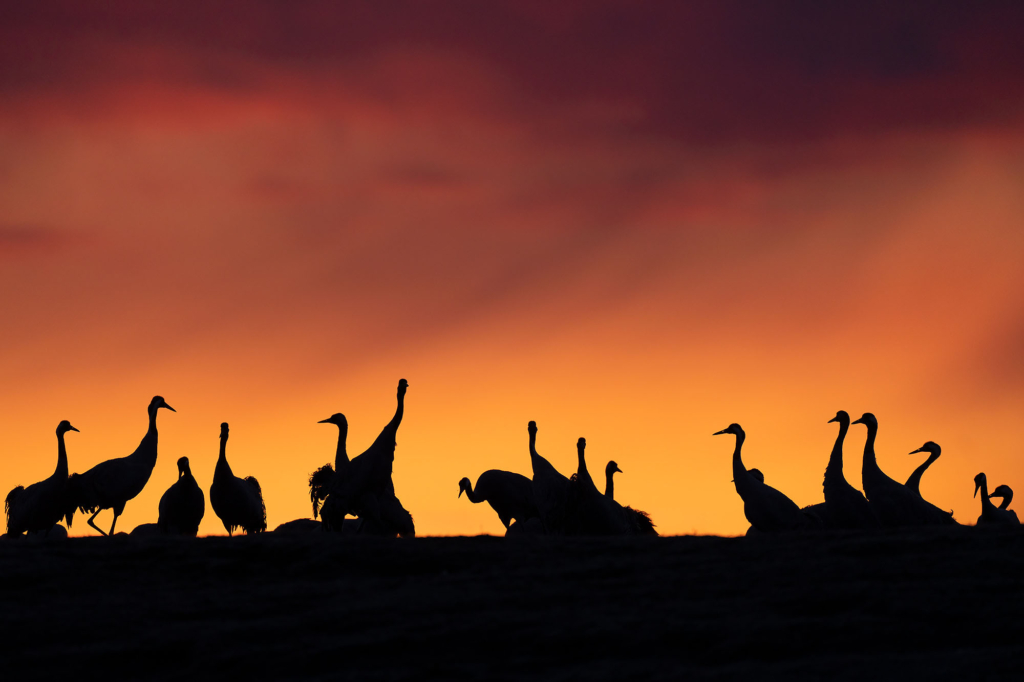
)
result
[(113, 524), (91, 523)]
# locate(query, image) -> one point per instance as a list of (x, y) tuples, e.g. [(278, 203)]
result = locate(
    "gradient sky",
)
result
[(633, 224)]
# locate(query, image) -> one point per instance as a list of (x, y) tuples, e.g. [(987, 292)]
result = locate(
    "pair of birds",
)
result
[(362, 486), (111, 484), (887, 502), (564, 506)]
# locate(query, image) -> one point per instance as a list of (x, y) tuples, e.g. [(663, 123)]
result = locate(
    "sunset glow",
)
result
[(633, 225)]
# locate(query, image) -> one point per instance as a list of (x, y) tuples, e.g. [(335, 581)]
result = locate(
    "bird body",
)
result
[(237, 502), (767, 509), (845, 506), (111, 484), (893, 503), (590, 512), (550, 488), (41, 505), (992, 515), (509, 494), (183, 505)]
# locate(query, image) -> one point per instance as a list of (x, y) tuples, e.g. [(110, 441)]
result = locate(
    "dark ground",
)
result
[(941, 604)]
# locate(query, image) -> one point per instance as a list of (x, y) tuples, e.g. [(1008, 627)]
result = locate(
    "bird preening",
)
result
[(356, 496)]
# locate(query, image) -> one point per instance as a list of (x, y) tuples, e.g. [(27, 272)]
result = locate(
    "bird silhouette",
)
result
[(845, 506), (40, 506), (183, 505), (610, 470), (321, 480), (111, 484), (893, 503), (365, 488), (550, 488), (767, 509), (589, 512), (992, 515), (237, 502), (509, 494), (934, 451), (1006, 493)]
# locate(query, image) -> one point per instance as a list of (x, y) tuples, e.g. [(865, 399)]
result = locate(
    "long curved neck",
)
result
[(533, 444), (222, 459), (473, 496), (341, 456), (870, 466), (1006, 500), (609, 486), (740, 476), (581, 467), (399, 412), (62, 458), (986, 504), (915, 478), (835, 460)]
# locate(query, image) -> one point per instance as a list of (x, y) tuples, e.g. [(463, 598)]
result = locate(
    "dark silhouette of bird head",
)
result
[(581, 445), (224, 430), (979, 481), (402, 386), (1002, 491), (183, 467), (464, 485), (64, 427), (734, 429), (842, 417), (929, 447), (612, 468), (157, 402), (338, 419), (868, 420), (532, 428)]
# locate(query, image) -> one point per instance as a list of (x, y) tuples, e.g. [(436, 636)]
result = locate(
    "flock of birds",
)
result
[(357, 495)]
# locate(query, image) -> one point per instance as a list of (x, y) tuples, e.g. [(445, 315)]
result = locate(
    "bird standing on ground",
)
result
[(110, 484), (183, 505), (321, 480), (991, 514), (40, 506), (549, 488), (767, 509), (509, 494), (237, 502), (845, 506)]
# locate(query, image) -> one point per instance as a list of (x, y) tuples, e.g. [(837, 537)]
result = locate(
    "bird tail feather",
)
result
[(319, 484), (12, 499), (641, 522), (251, 480)]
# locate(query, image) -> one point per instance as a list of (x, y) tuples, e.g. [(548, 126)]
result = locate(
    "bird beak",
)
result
[(74, 429), (857, 421), (719, 433), (977, 487), (460, 492), (833, 419), (169, 407), (324, 421), (618, 470), (917, 451)]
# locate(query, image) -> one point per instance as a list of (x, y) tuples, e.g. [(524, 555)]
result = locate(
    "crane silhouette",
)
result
[(321, 480), (183, 504), (365, 488), (550, 488), (237, 502), (991, 514), (509, 494), (934, 451), (111, 484), (1006, 493), (610, 470), (589, 512), (845, 506), (767, 509), (40, 506)]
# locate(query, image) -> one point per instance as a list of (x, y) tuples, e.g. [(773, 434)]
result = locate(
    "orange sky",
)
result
[(631, 226)]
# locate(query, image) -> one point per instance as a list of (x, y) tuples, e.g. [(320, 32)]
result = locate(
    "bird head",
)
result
[(868, 420), (979, 481), (842, 417), (734, 429), (338, 419), (402, 386), (64, 427), (930, 448), (581, 445), (183, 467), (1002, 491), (532, 428), (157, 402), (612, 468), (464, 485), (224, 430)]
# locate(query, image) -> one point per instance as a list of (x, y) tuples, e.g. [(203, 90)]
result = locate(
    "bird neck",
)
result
[(533, 444), (609, 486), (62, 458), (222, 459), (473, 496), (915, 478), (740, 476), (1006, 500), (870, 466), (341, 457), (986, 504), (581, 467), (835, 460)]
